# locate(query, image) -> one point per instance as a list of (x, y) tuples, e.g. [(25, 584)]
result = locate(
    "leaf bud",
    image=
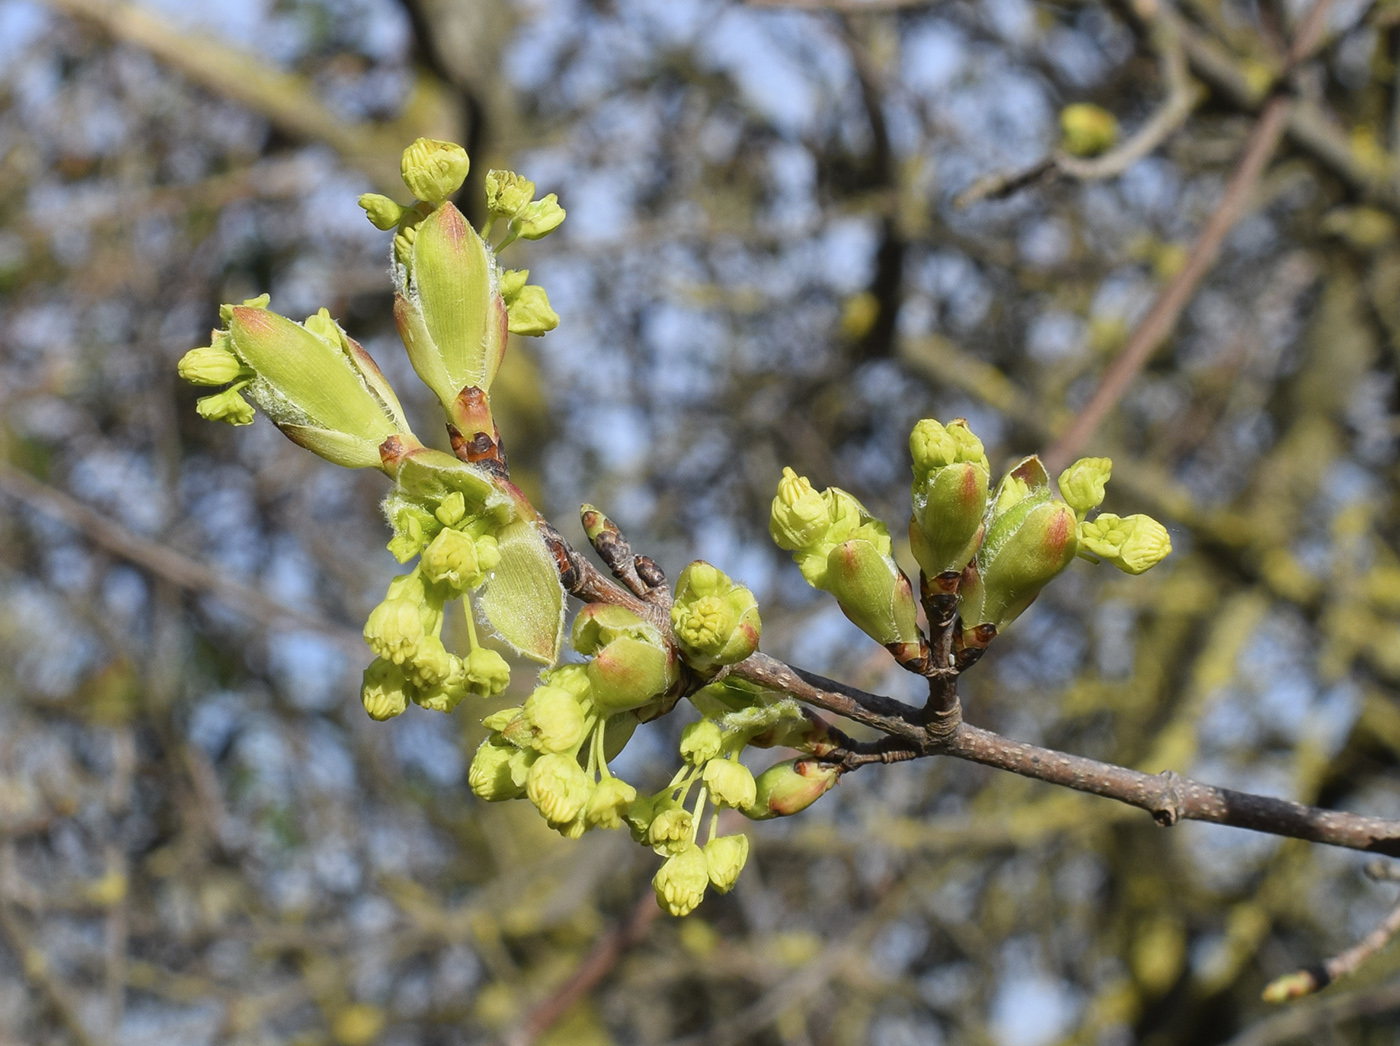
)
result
[(227, 406), (629, 673), (609, 802), (558, 787), (873, 592), (1133, 544), (1024, 549), (1082, 484), (550, 721), (384, 691), (701, 742), (730, 783), (951, 475), (382, 212), (489, 775), (529, 313), (434, 170), (725, 857), (790, 787), (680, 883), (715, 621)]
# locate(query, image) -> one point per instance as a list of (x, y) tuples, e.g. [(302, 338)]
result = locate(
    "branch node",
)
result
[(1166, 805)]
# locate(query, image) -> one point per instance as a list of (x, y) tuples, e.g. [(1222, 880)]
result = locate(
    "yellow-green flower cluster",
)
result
[(951, 474), (842, 549), (458, 552), (715, 622)]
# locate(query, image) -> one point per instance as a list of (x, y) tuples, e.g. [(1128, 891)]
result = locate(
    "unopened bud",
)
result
[(1133, 544), (227, 406), (725, 857), (558, 787), (487, 673), (730, 783), (382, 212), (671, 830), (1082, 484), (1024, 549), (540, 218), (451, 559), (873, 592), (680, 883), (434, 170), (715, 621), (529, 312), (507, 192), (394, 630), (211, 365), (799, 516), (701, 742), (550, 721), (384, 691), (609, 802), (489, 775), (790, 787)]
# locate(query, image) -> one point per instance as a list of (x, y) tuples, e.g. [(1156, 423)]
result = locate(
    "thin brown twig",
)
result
[(182, 571), (599, 962)]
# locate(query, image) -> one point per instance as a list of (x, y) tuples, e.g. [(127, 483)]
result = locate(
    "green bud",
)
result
[(434, 170), (540, 218), (558, 787), (431, 666), (452, 322), (384, 691), (451, 559), (701, 742), (445, 696), (639, 816), (1081, 485), (951, 475), (452, 509), (260, 302), (671, 830), (512, 282), (1088, 130), (530, 314), (715, 621), (413, 529), (382, 212), (394, 630), (599, 624), (1024, 549), (227, 406), (680, 883), (324, 395), (730, 783), (629, 673), (507, 192), (500, 719), (609, 802), (873, 592), (489, 776), (551, 721), (487, 673), (790, 787), (799, 516), (573, 678), (1133, 544), (725, 857), (212, 365)]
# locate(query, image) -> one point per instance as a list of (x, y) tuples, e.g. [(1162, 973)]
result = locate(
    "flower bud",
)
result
[(639, 816), (1024, 549), (680, 883), (701, 742), (394, 630), (384, 691), (451, 559), (558, 787), (507, 193), (1133, 544), (715, 621), (609, 802), (730, 783), (671, 830), (573, 678), (725, 857), (540, 218), (1081, 485), (431, 666), (382, 212), (873, 592), (1088, 130), (227, 406), (413, 527), (487, 673), (799, 516), (790, 787), (951, 475), (500, 719), (434, 170), (550, 721), (489, 776), (212, 365), (529, 313), (512, 282)]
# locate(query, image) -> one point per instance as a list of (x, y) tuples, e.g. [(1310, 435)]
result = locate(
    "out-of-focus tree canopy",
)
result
[(794, 229)]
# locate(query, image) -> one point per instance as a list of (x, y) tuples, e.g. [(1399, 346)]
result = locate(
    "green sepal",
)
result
[(523, 599)]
